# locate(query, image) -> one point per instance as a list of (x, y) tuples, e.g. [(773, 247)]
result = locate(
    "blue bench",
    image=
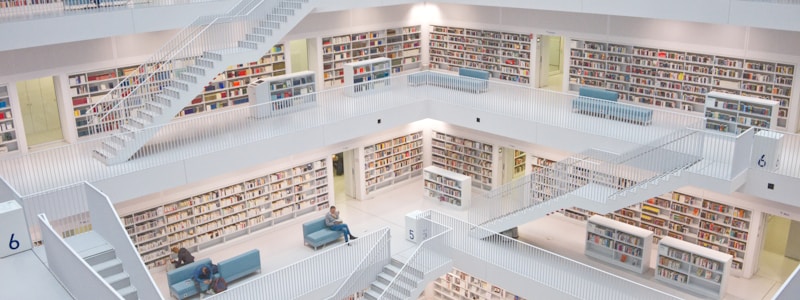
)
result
[(316, 234), (181, 285), (468, 80), (603, 103), (240, 266)]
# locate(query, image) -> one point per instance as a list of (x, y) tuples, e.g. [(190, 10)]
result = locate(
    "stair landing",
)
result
[(88, 244)]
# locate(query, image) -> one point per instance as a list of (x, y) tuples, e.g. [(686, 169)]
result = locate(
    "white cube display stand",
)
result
[(365, 75), (692, 267), (618, 243), (767, 150), (447, 187), (14, 237), (417, 228)]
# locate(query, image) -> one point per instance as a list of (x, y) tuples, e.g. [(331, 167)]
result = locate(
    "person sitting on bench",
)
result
[(334, 223)]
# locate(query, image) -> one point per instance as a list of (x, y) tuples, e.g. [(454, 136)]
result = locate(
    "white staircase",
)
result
[(148, 112), (406, 283), (99, 254)]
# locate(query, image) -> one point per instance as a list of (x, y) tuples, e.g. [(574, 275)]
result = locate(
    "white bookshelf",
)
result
[(400, 44), (506, 55), (276, 90), (8, 135), (447, 187), (391, 161), (692, 267), (736, 113), (618, 243), (367, 75), (228, 212), (675, 78), (457, 285), (519, 164), (464, 156)]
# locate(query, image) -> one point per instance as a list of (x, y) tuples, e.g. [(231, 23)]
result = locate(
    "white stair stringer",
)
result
[(591, 197), (145, 122)]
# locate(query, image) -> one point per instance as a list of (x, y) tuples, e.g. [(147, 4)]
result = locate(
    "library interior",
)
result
[(611, 149)]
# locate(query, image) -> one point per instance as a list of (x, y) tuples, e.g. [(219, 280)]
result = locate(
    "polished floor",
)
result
[(283, 245)]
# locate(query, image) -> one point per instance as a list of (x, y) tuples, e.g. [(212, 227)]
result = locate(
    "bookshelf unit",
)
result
[(507, 56), (367, 75), (228, 212), (692, 267), (618, 243), (228, 88), (8, 135), (392, 161), (447, 187), (464, 156), (457, 285), (735, 113), (277, 89), (401, 45), (677, 79)]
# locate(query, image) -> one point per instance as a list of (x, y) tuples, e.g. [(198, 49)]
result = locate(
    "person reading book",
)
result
[(334, 223), (183, 257)]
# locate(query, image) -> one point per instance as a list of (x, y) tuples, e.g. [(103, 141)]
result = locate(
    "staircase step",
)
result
[(372, 295), (129, 130), (212, 56), (101, 155), (171, 91), (112, 146), (181, 85), (290, 5), (139, 123), (119, 280), (188, 77), (91, 247), (108, 268), (269, 24), (283, 11), (147, 115), (387, 279), (196, 70), (129, 293), (155, 107), (378, 286), (257, 38), (248, 45), (262, 31), (205, 63), (277, 18), (166, 100)]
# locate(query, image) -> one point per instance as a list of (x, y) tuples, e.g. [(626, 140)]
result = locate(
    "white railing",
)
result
[(71, 270), (308, 275), (233, 127), (29, 9), (368, 268), (725, 156), (106, 222), (550, 269), (789, 163), (429, 256), (66, 208)]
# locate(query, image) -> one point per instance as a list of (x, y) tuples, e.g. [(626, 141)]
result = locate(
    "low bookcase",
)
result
[(692, 267), (447, 187), (287, 93), (367, 75), (618, 243)]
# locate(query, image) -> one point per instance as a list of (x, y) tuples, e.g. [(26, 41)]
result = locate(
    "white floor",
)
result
[(283, 245)]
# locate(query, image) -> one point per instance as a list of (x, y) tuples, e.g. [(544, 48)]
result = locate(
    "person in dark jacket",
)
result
[(184, 257), (202, 274)]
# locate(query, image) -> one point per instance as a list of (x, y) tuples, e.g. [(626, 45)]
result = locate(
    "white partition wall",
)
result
[(106, 222), (73, 272)]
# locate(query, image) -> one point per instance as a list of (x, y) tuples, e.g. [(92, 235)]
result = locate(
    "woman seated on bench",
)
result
[(334, 223)]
